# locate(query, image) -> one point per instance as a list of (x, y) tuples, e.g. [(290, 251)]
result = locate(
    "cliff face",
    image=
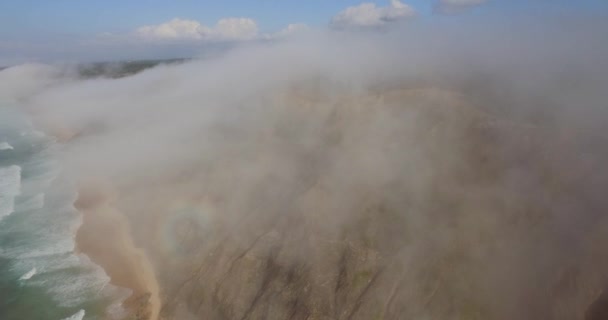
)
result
[(396, 204)]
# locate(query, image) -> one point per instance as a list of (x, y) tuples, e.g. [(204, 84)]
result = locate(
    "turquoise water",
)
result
[(41, 277)]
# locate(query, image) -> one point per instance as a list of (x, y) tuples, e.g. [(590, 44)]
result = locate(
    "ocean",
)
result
[(42, 276)]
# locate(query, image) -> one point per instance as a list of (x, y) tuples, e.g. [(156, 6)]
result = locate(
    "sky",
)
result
[(45, 30)]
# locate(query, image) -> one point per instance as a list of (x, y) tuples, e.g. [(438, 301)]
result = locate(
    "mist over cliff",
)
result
[(437, 172)]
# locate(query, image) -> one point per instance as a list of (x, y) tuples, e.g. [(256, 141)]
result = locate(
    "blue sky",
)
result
[(87, 17), (25, 18), (40, 23)]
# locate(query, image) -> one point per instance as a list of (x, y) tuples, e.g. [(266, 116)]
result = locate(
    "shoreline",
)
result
[(105, 238)]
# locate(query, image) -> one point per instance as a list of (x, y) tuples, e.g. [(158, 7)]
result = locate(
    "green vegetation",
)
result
[(121, 69)]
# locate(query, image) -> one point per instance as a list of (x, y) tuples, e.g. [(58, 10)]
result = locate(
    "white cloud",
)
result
[(370, 15), (236, 28), (184, 29), (292, 29), (174, 29), (455, 6)]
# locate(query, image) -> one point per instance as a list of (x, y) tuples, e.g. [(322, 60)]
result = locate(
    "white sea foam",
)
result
[(44, 228), (85, 281), (77, 316), (10, 186), (28, 275), (40, 182), (31, 203), (54, 246), (48, 264), (5, 146), (38, 134), (73, 290), (117, 310)]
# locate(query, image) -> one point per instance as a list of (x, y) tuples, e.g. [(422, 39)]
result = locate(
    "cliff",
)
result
[(394, 204)]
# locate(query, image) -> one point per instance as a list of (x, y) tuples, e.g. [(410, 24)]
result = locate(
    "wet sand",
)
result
[(105, 237)]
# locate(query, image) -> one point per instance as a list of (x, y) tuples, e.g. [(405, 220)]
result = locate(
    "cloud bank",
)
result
[(368, 15), (427, 174)]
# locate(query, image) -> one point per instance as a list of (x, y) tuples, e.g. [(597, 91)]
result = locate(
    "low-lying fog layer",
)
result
[(439, 172)]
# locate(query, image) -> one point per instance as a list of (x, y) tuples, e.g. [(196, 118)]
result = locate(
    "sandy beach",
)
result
[(105, 237)]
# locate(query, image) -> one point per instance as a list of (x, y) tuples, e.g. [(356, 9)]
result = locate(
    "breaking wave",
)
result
[(42, 275)]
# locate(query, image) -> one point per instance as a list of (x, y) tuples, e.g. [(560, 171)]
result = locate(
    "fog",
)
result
[(467, 159)]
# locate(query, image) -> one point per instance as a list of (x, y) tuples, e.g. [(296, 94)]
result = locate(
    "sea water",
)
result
[(41, 275)]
